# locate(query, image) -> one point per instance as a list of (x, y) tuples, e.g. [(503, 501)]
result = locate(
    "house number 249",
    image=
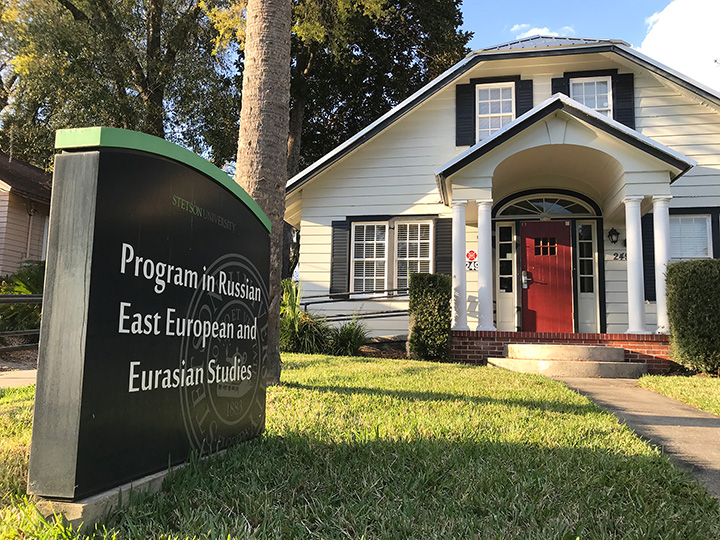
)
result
[(620, 256)]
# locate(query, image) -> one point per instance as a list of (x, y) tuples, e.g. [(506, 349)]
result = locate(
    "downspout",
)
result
[(31, 213)]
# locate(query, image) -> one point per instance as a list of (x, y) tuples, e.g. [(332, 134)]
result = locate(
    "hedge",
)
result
[(430, 317), (693, 297)]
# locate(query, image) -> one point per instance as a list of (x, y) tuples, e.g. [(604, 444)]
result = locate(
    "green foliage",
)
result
[(304, 332), (693, 296), (389, 449), (28, 279), (300, 331), (80, 63), (430, 317), (346, 339)]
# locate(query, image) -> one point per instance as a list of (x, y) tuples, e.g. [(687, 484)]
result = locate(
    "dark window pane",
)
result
[(537, 251), (506, 234), (545, 250), (505, 250), (537, 241), (586, 284), (552, 241), (586, 249), (586, 267), (506, 284), (552, 250), (585, 232), (506, 268)]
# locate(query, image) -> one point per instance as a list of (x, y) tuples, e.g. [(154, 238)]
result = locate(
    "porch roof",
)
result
[(677, 163)]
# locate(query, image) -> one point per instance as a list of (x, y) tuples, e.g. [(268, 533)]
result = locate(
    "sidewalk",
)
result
[(688, 435), (13, 379)]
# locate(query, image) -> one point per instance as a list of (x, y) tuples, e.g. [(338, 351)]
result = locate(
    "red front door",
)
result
[(547, 277)]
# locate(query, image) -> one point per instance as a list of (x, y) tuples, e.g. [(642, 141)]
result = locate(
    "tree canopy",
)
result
[(173, 68), (142, 65)]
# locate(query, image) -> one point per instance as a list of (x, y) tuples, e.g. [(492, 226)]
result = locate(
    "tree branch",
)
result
[(77, 14)]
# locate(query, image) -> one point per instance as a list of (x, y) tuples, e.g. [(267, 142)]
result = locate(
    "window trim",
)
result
[(352, 252), (391, 260), (395, 259), (598, 78), (497, 84), (709, 236)]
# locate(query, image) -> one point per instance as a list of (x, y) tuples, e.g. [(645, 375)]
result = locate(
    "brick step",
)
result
[(585, 353), (572, 368)]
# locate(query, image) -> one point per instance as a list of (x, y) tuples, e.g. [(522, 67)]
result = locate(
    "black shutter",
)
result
[(561, 86), (340, 257), (623, 99), (443, 246), (465, 115), (648, 250), (523, 96)]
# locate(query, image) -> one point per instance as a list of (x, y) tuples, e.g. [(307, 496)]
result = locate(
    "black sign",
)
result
[(176, 324)]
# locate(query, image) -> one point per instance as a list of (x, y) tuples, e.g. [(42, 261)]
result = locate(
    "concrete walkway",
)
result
[(691, 437), (13, 379)]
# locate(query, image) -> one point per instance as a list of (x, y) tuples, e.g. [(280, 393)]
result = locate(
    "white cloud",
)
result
[(682, 36), (527, 30)]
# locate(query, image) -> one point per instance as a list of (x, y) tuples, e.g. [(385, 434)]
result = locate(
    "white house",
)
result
[(553, 177)]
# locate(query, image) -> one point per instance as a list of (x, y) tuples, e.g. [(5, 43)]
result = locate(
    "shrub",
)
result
[(693, 296), (300, 331), (29, 279), (306, 333), (347, 339), (430, 317)]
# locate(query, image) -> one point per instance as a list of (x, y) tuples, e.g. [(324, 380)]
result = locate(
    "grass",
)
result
[(700, 392), (366, 448)]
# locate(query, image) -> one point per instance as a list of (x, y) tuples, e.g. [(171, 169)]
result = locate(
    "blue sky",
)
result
[(493, 22), (681, 34)]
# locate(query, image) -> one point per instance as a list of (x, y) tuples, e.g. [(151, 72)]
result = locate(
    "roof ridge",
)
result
[(540, 40)]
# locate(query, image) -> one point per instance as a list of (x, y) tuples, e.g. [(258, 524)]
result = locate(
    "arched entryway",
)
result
[(548, 262)]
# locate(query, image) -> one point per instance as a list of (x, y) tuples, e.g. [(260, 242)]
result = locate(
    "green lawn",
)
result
[(700, 392), (368, 448)]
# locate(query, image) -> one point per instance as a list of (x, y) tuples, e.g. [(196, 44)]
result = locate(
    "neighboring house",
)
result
[(24, 211), (552, 177)]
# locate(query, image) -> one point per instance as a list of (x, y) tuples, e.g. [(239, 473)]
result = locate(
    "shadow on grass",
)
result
[(298, 486), (540, 405)]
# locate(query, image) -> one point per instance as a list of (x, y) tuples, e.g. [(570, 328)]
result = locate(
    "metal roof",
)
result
[(536, 42)]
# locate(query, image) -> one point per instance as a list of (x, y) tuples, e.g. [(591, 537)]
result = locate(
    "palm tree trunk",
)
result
[(261, 167)]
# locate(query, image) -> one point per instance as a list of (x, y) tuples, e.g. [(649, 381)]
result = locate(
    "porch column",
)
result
[(459, 275), (636, 301), (485, 277), (661, 232)]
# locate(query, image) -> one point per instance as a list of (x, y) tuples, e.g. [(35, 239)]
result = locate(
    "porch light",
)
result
[(613, 235)]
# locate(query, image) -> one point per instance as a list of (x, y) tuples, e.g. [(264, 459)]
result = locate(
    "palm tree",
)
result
[(261, 167)]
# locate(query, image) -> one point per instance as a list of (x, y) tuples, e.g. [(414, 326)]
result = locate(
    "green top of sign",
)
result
[(97, 137)]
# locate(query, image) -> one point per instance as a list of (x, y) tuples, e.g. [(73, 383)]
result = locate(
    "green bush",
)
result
[(430, 317), (29, 279), (303, 332), (300, 331), (693, 296), (347, 339)]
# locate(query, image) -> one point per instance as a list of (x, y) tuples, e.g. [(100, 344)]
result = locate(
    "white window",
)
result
[(593, 92), (384, 254), (690, 238), (369, 257), (414, 248), (495, 107)]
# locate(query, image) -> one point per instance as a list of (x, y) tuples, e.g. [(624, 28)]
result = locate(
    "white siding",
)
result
[(392, 174)]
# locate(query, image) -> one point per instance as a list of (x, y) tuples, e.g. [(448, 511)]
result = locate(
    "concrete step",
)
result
[(572, 368), (541, 351)]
